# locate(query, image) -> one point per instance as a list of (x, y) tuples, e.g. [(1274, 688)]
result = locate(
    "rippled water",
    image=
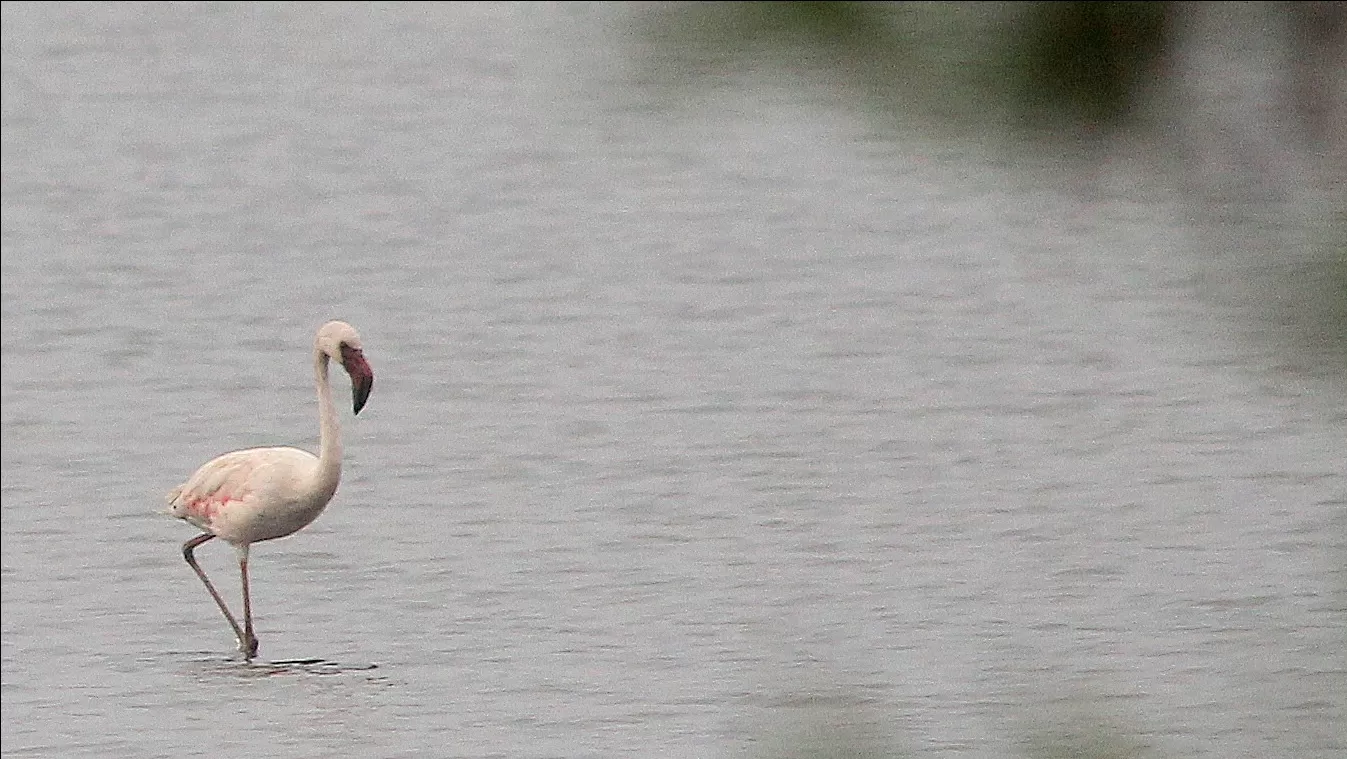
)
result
[(699, 427)]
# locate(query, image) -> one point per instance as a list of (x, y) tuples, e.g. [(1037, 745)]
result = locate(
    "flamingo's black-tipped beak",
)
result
[(362, 376), (360, 387)]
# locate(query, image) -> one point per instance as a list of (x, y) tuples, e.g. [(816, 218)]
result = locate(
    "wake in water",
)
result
[(212, 661)]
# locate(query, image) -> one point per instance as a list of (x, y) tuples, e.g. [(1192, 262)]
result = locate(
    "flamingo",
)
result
[(259, 494)]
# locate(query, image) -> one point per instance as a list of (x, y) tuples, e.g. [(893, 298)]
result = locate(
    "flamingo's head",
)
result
[(341, 343)]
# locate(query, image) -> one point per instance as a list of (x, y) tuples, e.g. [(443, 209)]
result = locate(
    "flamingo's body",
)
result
[(253, 495), (257, 494)]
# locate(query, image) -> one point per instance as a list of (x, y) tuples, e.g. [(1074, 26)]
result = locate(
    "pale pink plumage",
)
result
[(257, 494), (252, 495)]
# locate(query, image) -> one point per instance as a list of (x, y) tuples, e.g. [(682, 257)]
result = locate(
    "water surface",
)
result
[(697, 422)]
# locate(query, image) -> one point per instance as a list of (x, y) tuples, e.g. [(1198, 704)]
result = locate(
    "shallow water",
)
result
[(697, 427)]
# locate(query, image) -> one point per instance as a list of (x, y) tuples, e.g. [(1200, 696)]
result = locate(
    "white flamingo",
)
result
[(261, 494)]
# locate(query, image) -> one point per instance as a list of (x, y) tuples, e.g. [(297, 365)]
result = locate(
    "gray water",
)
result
[(706, 423)]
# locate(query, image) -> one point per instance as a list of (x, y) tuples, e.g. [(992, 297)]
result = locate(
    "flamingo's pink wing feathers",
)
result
[(211, 488)]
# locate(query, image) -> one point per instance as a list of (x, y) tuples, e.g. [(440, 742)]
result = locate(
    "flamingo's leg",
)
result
[(248, 640), (187, 549)]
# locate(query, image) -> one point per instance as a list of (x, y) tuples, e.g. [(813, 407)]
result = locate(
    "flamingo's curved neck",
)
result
[(329, 433)]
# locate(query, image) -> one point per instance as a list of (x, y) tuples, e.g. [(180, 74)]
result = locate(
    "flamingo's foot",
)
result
[(248, 646)]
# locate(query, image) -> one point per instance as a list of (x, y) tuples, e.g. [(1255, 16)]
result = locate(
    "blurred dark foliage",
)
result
[(1089, 61)]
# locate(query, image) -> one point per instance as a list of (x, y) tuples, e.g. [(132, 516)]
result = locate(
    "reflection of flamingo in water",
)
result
[(265, 493)]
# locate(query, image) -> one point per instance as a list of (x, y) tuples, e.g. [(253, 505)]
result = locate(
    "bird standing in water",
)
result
[(257, 494)]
